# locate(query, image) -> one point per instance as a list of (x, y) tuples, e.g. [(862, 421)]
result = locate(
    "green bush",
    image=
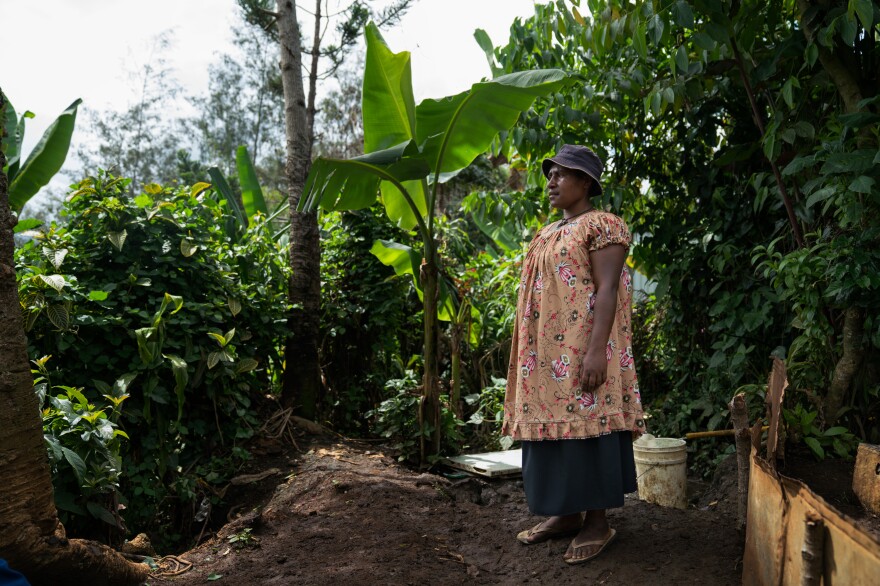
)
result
[(167, 291)]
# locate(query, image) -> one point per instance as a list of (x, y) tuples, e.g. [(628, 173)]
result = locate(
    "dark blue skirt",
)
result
[(563, 477)]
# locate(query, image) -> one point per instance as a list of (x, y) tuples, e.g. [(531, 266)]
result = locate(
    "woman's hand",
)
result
[(594, 370)]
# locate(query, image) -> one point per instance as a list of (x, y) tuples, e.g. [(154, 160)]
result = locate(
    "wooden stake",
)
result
[(813, 551), (740, 414)]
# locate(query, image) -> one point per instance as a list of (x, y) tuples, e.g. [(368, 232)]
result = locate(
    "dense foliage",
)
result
[(741, 142), (158, 310)]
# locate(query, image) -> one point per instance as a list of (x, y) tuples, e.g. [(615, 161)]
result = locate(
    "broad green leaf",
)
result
[(117, 239), (218, 338), (55, 256), (848, 28), (153, 189), (147, 341), (228, 336), (683, 15), (251, 193), (213, 359), (862, 184), (120, 385), (832, 431), (814, 445), (181, 378), (59, 316), (406, 261), (798, 164), (485, 43), (234, 305), (198, 188), (79, 467), (45, 160), (335, 184), (246, 365), (143, 201), (98, 295), (681, 59), (864, 9), (27, 224), (57, 282), (188, 247), (457, 129), (820, 195), (225, 191), (640, 43), (388, 105)]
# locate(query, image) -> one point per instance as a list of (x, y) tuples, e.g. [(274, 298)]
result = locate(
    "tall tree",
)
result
[(302, 377), (32, 538)]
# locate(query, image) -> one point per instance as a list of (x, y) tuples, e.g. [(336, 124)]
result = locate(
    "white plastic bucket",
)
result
[(661, 470)]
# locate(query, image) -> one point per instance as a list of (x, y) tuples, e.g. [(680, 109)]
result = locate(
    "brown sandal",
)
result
[(602, 543), (538, 535)]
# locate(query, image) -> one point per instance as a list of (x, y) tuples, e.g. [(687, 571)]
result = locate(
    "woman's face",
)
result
[(566, 188)]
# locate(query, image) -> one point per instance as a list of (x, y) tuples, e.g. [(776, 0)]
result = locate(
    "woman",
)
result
[(572, 395)]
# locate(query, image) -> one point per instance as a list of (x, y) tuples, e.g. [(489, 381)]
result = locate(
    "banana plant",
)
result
[(409, 151), (44, 161)]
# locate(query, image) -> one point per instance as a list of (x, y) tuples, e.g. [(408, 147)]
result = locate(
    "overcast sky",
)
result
[(55, 51)]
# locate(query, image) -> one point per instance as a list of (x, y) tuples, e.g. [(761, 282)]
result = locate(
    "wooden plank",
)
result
[(491, 464)]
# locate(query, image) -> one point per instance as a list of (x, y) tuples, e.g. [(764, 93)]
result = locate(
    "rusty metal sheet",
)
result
[(778, 507), (765, 526), (851, 556), (775, 392)]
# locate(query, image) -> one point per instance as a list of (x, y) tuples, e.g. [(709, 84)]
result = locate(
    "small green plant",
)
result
[(396, 418), (84, 442), (243, 539), (489, 414), (801, 427)]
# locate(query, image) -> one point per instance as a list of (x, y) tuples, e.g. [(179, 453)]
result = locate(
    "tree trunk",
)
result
[(429, 411), (313, 74), (302, 374), (848, 365), (32, 539), (739, 412)]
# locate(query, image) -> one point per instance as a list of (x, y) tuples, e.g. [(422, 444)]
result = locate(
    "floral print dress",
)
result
[(554, 321)]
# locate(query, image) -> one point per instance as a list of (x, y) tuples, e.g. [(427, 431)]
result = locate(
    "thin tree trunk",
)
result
[(313, 73), (302, 374), (756, 116), (429, 412), (854, 318), (848, 365), (32, 539), (739, 412)]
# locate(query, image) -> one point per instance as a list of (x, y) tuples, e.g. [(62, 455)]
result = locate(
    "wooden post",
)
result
[(740, 414), (813, 551)]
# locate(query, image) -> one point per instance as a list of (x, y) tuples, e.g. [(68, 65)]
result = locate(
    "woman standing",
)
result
[(572, 394)]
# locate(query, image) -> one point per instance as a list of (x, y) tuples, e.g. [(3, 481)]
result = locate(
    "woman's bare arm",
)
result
[(607, 264)]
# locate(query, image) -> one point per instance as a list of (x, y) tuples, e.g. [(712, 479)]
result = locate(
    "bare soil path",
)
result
[(345, 513)]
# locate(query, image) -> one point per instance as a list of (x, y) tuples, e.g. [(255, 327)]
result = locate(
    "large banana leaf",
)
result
[(406, 261), (387, 101), (45, 160), (454, 131), (389, 116), (337, 184), (251, 193)]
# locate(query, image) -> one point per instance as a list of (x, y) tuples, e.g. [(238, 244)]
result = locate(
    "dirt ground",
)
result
[(346, 513)]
